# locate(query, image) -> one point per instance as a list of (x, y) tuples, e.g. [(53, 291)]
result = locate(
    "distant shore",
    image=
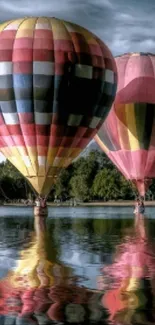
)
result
[(108, 204), (87, 204)]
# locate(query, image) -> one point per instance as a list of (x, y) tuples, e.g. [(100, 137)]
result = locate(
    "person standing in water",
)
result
[(142, 207), (41, 202), (37, 202), (139, 207)]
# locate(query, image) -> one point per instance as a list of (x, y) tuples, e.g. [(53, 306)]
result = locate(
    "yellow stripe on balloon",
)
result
[(17, 158), (122, 127), (17, 163), (36, 182), (48, 185), (131, 125), (66, 162), (101, 144), (22, 150), (43, 21), (33, 156), (41, 171), (26, 28), (6, 152), (50, 157), (17, 152), (72, 28), (75, 152), (59, 30)]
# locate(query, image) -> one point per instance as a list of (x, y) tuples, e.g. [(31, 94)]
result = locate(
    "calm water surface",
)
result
[(100, 250)]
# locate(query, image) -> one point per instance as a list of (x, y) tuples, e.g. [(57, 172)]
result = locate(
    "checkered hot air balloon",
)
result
[(128, 134), (57, 84)]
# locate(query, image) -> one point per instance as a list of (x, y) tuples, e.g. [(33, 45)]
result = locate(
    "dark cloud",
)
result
[(138, 39), (124, 26)]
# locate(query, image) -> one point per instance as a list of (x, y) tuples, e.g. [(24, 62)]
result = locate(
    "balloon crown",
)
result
[(135, 54)]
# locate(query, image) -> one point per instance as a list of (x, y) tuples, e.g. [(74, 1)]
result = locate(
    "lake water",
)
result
[(101, 251)]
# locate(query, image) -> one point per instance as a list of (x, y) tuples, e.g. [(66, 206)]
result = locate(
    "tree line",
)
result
[(88, 178)]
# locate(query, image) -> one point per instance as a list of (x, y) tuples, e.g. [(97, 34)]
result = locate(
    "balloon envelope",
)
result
[(57, 84), (128, 134)]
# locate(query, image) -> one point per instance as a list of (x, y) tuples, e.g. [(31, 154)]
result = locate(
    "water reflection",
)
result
[(77, 271), (131, 277), (41, 289)]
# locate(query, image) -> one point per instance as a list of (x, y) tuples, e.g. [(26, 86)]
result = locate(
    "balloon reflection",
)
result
[(129, 296), (41, 289)]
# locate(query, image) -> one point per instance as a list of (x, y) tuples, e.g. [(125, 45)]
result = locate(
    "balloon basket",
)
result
[(40, 212)]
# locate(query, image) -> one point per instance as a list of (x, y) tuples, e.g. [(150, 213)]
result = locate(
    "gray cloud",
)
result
[(124, 26)]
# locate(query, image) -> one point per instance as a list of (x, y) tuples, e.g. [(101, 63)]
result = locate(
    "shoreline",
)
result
[(86, 204)]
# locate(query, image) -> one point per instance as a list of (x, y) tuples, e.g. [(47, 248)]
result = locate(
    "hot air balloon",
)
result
[(128, 134), (57, 84)]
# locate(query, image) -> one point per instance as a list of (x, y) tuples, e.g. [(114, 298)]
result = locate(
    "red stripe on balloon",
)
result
[(81, 131), (26, 118), (25, 55), (43, 55), (57, 130), (42, 130), (63, 45), (5, 55), (6, 44), (4, 130), (42, 151), (18, 140), (56, 141), (23, 43), (8, 141), (43, 33), (80, 43), (83, 143), (1, 119), (59, 69), (2, 143), (28, 129), (42, 140), (8, 34), (43, 43), (30, 141), (60, 57), (14, 129)]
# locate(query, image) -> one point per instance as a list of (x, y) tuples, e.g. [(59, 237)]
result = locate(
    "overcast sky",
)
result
[(123, 25)]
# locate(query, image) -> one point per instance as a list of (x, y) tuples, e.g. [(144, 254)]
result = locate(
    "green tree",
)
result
[(79, 187), (62, 185), (102, 159), (106, 185), (128, 191), (85, 170), (12, 183)]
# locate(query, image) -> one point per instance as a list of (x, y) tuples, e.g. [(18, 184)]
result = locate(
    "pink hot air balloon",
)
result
[(128, 134)]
